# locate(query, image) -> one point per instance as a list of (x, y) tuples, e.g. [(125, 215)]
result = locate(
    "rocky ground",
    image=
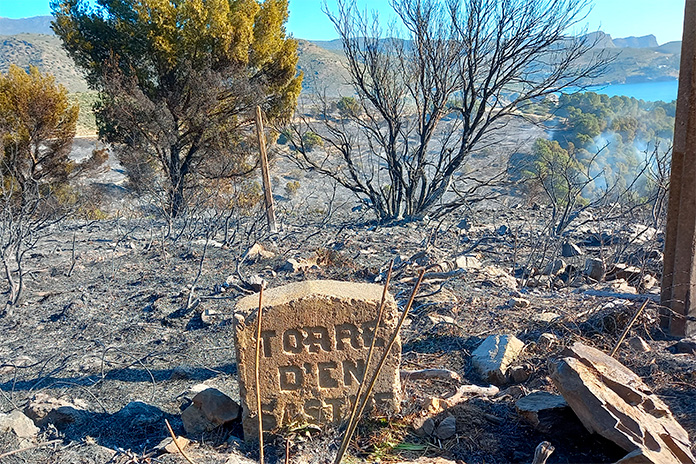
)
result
[(111, 338), (125, 320)]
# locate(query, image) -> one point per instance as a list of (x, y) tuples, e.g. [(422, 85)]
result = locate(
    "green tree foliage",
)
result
[(37, 123), (616, 134), (178, 80), (348, 106), (590, 114), (311, 140)]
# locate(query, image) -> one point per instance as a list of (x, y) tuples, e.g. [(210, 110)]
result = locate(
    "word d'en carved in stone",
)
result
[(315, 339)]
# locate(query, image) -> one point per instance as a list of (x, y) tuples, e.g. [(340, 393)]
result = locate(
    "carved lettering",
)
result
[(368, 331), (314, 344), (317, 339), (335, 404), (291, 378), (312, 407), (353, 371), (292, 341), (266, 336), (347, 332), (325, 378)]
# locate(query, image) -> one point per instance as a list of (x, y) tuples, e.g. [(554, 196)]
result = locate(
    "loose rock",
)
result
[(595, 269), (614, 402), (519, 374), (638, 345), (44, 410), (447, 428), (546, 341), (424, 426), (542, 410), (209, 409), (493, 357), (569, 250), (139, 416), (256, 252), (19, 424), (518, 303), (686, 346), (554, 268), (468, 262), (168, 446)]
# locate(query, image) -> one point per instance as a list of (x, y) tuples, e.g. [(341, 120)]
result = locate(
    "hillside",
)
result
[(30, 41), (44, 52), (647, 41)]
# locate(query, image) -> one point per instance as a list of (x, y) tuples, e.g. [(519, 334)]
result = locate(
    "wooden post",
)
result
[(270, 209), (679, 274)]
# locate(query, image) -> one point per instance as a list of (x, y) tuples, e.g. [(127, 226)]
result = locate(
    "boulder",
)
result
[(44, 409), (493, 357), (209, 409), (19, 424), (609, 399), (543, 410)]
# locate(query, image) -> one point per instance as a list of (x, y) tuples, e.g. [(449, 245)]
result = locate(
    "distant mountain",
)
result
[(600, 39), (647, 41), (35, 25), (670, 47), (30, 41)]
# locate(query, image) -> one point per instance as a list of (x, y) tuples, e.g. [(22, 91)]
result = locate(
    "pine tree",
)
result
[(178, 80)]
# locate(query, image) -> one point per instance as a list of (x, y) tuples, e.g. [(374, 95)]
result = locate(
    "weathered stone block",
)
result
[(315, 338), (493, 357)]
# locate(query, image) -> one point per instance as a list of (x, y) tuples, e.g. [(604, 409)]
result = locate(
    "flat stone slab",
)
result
[(315, 337), (614, 402)]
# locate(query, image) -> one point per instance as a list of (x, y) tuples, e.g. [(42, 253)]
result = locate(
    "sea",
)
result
[(649, 91)]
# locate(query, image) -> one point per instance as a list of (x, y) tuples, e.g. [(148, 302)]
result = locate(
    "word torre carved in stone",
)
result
[(315, 339)]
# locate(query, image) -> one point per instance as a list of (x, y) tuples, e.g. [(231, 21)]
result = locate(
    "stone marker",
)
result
[(614, 402), (314, 343)]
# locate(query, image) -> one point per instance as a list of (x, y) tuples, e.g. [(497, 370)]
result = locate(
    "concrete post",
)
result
[(679, 275)]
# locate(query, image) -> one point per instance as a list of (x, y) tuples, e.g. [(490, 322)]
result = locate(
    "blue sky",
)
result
[(620, 18)]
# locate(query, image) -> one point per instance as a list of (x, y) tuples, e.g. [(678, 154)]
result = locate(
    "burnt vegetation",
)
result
[(466, 154)]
